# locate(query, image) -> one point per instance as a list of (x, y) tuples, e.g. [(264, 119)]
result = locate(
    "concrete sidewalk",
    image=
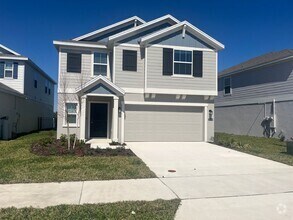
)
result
[(49, 194)]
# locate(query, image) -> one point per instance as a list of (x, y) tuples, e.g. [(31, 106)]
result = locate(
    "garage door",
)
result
[(163, 123)]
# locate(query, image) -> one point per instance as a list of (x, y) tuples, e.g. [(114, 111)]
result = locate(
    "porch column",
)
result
[(115, 119), (122, 122), (82, 123)]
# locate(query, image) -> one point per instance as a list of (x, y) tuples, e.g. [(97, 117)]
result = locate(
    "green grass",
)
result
[(18, 165), (269, 148), (159, 209)]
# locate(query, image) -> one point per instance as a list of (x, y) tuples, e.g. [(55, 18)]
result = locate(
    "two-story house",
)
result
[(139, 81), (256, 97), (26, 95)]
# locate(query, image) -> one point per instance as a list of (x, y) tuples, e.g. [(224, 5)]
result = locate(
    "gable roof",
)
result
[(109, 27), (255, 62), (9, 50), (146, 26), (103, 80), (189, 27)]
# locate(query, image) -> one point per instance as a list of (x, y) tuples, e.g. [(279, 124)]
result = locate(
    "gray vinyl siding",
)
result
[(155, 78), (74, 80), (249, 119), (129, 79), (135, 38), (272, 80), (22, 113), (176, 39), (163, 123), (38, 94), (16, 84)]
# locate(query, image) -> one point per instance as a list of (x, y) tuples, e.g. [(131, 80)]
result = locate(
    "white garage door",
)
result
[(163, 123)]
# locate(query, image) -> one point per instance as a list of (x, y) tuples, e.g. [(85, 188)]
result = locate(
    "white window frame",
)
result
[(182, 75), (72, 125), (7, 69), (104, 64), (230, 84)]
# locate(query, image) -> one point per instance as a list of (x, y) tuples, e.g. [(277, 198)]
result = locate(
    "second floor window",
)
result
[(46, 86), (74, 62), (100, 64), (36, 81), (182, 62), (8, 70), (129, 60), (227, 85)]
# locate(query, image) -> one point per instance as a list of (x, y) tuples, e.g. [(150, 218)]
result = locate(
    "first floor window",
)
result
[(71, 113), (8, 70), (182, 62), (100, 63), (227, 85)]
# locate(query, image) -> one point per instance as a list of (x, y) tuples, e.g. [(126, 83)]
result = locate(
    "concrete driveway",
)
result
[(218, 183)]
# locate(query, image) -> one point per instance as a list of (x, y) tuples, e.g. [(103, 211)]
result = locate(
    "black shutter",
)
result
[(167, 61), (74, 62), (1, 69), (197, 63), (129, 60), (15, 70)]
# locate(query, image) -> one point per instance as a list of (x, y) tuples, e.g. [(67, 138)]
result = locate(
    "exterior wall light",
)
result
[(211, 115)]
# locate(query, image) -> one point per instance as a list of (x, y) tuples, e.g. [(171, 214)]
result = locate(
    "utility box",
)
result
[(290, 147)]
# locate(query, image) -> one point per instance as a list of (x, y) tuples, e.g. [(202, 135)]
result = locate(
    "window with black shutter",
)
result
[(197, 63), (167, 61), (74, 62), (129, 60)]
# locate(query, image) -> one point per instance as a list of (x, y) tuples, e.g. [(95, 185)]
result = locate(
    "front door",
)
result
[(98, 120)]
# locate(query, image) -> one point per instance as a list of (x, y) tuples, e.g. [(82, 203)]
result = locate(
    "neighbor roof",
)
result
[(258, 61), (9, 50)]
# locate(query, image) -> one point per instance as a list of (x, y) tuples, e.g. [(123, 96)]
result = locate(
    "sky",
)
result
[(247, 28)]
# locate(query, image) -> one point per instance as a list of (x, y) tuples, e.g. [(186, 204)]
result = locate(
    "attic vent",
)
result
[(183, 31)]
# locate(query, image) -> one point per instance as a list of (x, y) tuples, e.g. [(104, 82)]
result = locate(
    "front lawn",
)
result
[(19, 165), (159, 209), (269, 148)]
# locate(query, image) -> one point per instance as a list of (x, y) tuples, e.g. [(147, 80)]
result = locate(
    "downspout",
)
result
[(274, 125)]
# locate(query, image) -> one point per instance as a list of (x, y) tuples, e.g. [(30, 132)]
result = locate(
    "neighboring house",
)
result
[(256, 97), (26, 94), (139, 81)]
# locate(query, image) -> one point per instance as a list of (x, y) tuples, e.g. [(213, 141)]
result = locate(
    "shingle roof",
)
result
[(260, 60)]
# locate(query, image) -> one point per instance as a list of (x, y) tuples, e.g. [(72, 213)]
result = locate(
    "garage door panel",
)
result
[(163, 123)]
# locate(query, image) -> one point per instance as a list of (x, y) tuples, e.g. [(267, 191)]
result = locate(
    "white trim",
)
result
[(128, 32), (99, 95), (182, 91), (127, 45), (180, 47), (114, 64), (9, 50), (14, 58), (216, 75), (167, 104), (89, 119), (72, 125), (101, 78), (145, 67), (122, 123), (115, 117), (194, 30), (78, 44), (257, 66), (109, 27), (205, 118), (133, 90)]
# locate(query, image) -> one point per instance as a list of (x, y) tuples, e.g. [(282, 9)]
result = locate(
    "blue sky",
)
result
[(247, 28)]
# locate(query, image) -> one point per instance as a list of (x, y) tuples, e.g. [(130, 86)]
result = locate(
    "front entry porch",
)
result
[(101, 105)]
